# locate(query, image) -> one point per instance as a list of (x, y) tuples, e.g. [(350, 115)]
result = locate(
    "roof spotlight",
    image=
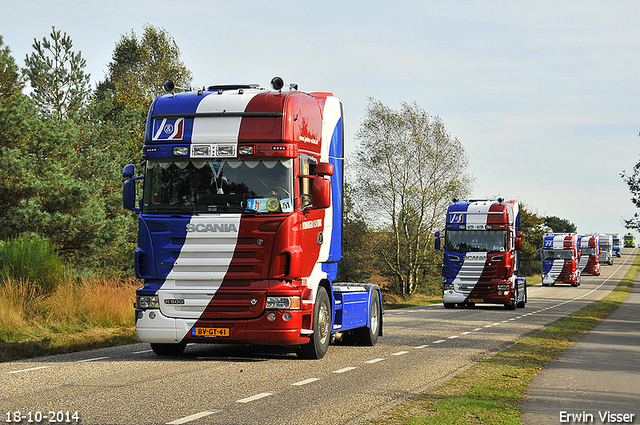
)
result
[(277, 83)]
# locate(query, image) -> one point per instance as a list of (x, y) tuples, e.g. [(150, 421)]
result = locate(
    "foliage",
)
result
[(357, 264), (531, 226), (408, 169), (31, 258), (633, 182), (559, 225), (62, 149), (136, 73), (56, 73)]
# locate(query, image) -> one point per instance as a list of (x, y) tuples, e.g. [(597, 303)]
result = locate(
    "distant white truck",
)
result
[(606, 249)]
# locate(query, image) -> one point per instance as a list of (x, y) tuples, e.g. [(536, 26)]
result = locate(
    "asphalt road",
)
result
[(226, 384)]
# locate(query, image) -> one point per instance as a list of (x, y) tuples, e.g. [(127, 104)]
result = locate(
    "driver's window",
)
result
[(307, 174)]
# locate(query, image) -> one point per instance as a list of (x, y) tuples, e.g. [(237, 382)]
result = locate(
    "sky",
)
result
[(543, 95)]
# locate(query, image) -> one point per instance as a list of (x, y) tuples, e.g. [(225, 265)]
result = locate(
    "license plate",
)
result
[(475, 300), (210, 332)]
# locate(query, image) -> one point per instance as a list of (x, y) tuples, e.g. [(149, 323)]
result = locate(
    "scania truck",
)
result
[(589, 253), (560, 257), (629, 240), (480, 254), (606, 249), (240, 222)]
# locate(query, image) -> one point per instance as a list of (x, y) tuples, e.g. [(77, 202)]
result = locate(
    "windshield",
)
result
[(476, 240), (557, 254), (234, 185), (588, 251)]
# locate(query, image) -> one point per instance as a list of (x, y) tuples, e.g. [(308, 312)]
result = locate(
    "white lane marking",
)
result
[(305, 382), (254, 398), (192, 417), (399, 353), (27, 370), (344, 369), (453, 337), (91, 360), (422, 346), (439, 341), (465, 333), (477, 329), (143, 351), (374, 360)]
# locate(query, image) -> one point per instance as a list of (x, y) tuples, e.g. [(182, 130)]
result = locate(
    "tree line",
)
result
[(63, 145)]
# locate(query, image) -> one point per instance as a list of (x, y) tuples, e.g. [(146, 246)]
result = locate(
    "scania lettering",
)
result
[(589, 253), (240, 222), (560, 256), (480, 254)]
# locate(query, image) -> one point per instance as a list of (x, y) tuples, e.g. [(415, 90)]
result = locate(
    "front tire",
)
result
[(168, 349), (319, 343)]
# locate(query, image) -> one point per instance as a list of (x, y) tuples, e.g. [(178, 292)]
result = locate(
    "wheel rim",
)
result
[(323, 323), (374, 317)]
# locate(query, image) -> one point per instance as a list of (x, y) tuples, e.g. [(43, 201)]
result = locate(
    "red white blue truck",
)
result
[(480, 254), (240, 222), (560, 256), (589, 253)]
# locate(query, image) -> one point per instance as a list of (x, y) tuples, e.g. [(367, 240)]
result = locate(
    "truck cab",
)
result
[(560, 256), (240, 222), (480, 254)]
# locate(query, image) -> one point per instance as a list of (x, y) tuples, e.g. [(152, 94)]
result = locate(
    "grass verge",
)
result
[(74, 316), (490, 391)]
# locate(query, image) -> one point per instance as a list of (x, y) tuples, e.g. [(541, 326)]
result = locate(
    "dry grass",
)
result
[(75, 315)]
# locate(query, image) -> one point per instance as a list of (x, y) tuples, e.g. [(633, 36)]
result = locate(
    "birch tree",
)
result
[(408, 169)]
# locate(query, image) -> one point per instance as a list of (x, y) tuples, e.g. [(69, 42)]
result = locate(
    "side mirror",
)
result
[(321, 192), (129, 188), (518, 240), (436, 241), (324, 169), (128, 171)]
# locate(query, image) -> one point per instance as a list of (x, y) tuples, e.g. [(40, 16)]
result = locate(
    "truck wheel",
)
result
[(522, 303), (369, 335), (168, 349), (449, 305), (317, 346)]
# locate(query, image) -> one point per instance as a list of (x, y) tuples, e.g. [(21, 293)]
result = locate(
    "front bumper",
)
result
[(153, 327)]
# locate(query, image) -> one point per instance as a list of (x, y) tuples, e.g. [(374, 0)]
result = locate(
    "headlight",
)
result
[(282, 303), (146, 301), (503, 287), (448, 286)]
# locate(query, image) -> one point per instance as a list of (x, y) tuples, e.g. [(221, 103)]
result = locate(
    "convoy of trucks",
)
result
[(480, 254), (240, 222), (240, 228)]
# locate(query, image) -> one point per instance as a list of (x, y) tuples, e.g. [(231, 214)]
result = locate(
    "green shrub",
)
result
[(31, 258)]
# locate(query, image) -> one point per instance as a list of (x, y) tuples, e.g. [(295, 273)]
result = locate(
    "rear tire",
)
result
[(369, 335), (319, 341)]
